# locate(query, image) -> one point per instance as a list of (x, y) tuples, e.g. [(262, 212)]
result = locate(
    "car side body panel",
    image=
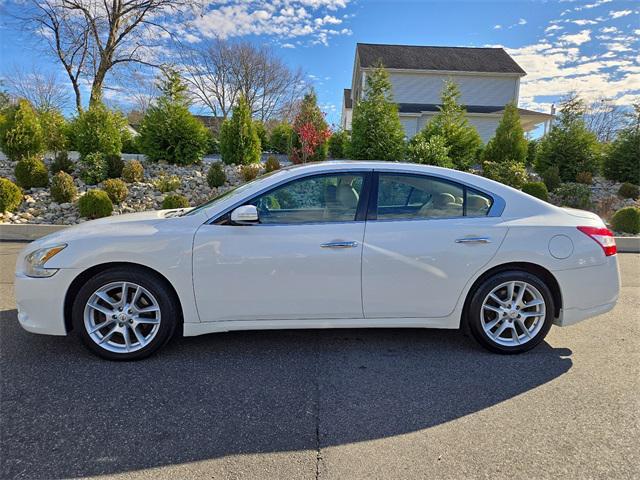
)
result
[(525, 230), (263, 272), (417, 268), (164, 246)]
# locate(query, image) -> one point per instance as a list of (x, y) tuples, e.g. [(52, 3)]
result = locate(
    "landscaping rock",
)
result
[(38, 207)]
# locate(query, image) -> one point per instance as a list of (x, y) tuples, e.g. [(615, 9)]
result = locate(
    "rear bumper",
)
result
[(588, 292), (40, 302)]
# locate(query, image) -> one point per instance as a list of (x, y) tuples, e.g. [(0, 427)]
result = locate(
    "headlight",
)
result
[(34, 262)]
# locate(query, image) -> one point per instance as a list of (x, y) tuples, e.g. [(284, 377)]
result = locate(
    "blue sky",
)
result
[(590, 47)]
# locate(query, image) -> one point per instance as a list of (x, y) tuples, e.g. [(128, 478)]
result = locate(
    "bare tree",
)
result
[(604, 118), (42, 89), (219, 71), (64, 33), (90, 37), (208, 71), (134, 87)]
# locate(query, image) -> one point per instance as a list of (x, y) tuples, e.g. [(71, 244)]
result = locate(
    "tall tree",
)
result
[(168, 130), (622, 162), (509, 144), (310, 132), (376, 131), (5, 98), (569, 145), (20, 131), (604, 118), (219, 71), (91, 37), (239, 141), (461, 138)]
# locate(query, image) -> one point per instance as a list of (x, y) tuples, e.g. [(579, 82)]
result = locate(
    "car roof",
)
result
[(400, 167)]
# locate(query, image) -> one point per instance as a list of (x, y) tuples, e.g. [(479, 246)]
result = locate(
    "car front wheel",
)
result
[(511, 312), (124, 314)]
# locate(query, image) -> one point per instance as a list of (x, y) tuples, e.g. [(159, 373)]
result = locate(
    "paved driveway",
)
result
[(325, 404)]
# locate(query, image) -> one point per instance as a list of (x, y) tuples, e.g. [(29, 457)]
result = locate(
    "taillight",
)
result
[(603, 237)]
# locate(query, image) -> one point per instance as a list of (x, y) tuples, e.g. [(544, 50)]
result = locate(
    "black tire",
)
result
[(169, 312), (474, 321)]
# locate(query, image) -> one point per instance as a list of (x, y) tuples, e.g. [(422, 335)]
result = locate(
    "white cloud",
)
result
[(620, 13), (282, 18), (584, 22), (593, 5), (328, 19), (577, 38), (497, 27), (575, 61), (288, 45), (618, 47), (520, 22)]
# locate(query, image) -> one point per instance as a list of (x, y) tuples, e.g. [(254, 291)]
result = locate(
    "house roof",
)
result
[(432, 107), (455, 59), (347, 98)]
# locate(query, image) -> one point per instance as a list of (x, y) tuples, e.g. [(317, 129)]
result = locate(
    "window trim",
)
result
[(496, 209), (361, 208)]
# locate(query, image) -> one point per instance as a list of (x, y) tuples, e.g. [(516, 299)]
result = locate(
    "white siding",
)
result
[(410, 125), (486, 126), (347, 116), (475, 89)]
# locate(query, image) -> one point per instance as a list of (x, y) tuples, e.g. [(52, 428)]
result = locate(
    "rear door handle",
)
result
[(339, 245), (473, 240)]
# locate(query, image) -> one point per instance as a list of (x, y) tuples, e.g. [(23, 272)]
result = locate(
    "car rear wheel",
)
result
[(511, 312), (124, 314)]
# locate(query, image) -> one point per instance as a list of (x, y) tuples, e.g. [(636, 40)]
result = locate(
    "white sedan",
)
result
[(328, 245)]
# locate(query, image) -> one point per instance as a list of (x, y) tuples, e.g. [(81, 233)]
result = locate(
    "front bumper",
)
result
[(40, 301)]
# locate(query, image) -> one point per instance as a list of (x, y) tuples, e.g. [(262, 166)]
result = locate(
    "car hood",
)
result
[(138, 224)]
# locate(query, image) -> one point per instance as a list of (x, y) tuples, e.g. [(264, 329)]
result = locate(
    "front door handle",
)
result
[(473, 240), (339, 245)]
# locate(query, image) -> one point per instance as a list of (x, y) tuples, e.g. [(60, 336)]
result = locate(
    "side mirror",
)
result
[(245, 215)]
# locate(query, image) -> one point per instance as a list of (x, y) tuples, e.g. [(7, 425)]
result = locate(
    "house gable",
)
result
[(488, 79)]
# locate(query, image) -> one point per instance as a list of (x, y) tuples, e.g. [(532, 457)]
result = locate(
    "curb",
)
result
[(628, 244), (30, 232), (26, 233)]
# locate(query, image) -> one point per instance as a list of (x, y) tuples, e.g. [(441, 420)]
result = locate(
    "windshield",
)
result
[(229, 193)]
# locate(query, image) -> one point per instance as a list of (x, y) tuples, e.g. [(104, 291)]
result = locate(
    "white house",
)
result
[(488, 79)]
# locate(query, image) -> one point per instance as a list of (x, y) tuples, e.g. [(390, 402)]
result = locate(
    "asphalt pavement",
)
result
[(329, 404)]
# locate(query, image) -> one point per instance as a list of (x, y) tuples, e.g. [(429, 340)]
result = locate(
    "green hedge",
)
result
[(175, 201), (10, 195), (216, 176), (31, 172), (20, 132), (116, 189), (95, 204), (133, 171), (536, 189), (94, 168), (626, 220), (63, 189), (575, 195)]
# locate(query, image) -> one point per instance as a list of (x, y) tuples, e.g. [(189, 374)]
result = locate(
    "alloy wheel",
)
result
[(122, 317), (513, 313)]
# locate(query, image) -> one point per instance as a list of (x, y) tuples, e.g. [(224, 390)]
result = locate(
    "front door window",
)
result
[(317, 199)]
